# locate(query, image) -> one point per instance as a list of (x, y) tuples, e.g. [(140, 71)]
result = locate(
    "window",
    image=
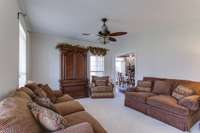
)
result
[(22, 56), (96, 66)]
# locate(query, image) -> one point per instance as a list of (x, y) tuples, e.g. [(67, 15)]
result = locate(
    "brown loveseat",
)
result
[(166, 107), (15, 116)]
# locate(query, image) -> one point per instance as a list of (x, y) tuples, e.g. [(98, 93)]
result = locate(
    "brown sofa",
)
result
[(165, 107), (101, 87), (15, 116)]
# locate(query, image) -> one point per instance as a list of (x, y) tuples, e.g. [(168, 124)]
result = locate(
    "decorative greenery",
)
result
[(94, 50), (98, 51)]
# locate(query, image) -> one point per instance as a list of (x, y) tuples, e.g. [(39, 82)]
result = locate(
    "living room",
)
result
[(72, 46)]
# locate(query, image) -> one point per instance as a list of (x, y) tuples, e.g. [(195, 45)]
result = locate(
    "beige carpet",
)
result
[(116, 118)]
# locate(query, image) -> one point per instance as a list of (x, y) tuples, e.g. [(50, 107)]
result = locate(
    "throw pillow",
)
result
[(162, 87), (100, 82), (50, 120), (180, 92), (141, 83), (143, 89), (45, 102), (190, 102), (27, 91), (32, 86), (39, 92), (49, 92)]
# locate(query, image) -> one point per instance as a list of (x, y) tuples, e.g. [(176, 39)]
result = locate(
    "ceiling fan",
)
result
[(105, 35)]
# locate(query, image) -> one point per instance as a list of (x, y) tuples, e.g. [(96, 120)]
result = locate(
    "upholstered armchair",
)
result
[(101, 87)]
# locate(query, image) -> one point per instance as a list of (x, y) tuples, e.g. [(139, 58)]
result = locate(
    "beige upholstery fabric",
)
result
[(28, 91), (64, 98), (98, 90), (139, 96), (168, 103), (102, 95), (79, 128), (15, 117), (101, 82), (102, 89), (65, 108), (83, 116)]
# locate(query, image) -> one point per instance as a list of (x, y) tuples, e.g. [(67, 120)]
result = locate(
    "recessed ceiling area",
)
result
[(70, 18)]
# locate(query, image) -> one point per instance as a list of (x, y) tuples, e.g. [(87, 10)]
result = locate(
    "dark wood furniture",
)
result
[(73, 63)]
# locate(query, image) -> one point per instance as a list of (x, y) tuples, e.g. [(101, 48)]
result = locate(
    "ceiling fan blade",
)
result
[(86, 34), (112, 39), (118, 33)]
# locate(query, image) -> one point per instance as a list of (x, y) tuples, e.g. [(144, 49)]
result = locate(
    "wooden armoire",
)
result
[(73, 63)]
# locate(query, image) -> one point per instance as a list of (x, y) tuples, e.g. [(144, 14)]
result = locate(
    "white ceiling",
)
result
[(70, 18)]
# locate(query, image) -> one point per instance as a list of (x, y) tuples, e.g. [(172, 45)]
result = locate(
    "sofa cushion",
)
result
[(101, 82), (143, 89), (64, 98), (140, 96), (45, 102), (162, 87), (15, 117), (180, 92), (27, 91), (167, 103), (49, 92), (50, 120), (102, 95), (190, 102), (78, 128), (83, 116), (145, 84), (32, 86), (65, 108), (102, 89), (39, 92), (21, 94)]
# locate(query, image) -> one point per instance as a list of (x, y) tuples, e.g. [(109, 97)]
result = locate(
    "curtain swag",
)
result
[(94, 50), (98, 51)]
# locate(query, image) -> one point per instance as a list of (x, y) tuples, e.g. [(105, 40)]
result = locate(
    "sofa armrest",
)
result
[(190, 102), (79, 128), (92, 85), (58, 93), (111, 84)]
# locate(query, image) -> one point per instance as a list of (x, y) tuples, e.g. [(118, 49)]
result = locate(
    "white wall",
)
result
[(45, 57), (8, 46), (170, 52)]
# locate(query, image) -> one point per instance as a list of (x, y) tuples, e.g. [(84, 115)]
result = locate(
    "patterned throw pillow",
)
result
[(49, 92), (180, 92), (45, 102), (50, 120)]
